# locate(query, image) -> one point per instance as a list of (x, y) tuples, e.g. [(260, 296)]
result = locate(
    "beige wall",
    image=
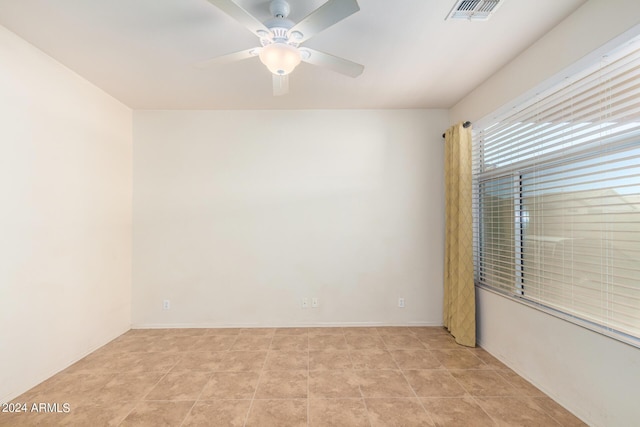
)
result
[(592, 375), (65, 221), (240, 214)]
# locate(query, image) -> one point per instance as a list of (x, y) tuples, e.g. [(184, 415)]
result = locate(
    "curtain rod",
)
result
[(464, 125)]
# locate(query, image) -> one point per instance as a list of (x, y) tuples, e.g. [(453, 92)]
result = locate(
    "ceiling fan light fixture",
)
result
[(280, 58)]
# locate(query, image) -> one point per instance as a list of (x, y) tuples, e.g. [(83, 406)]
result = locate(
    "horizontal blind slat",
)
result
[(556, 199)]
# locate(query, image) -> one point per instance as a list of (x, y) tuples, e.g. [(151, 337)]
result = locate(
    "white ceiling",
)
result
[(143, 51)]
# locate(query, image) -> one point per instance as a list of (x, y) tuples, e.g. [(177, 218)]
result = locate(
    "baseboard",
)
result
[(281, 325)]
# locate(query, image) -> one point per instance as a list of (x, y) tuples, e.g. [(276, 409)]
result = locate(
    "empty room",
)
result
[(320, 213)]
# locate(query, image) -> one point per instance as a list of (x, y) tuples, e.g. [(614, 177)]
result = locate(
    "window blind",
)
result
[(557, 197)]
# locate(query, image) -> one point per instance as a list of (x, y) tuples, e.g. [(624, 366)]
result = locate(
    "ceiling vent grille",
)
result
[(474, 10)]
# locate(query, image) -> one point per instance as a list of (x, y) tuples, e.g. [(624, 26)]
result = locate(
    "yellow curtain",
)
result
[(459, 290)]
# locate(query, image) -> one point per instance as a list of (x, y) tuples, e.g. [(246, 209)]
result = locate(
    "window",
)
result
[(557, 198)]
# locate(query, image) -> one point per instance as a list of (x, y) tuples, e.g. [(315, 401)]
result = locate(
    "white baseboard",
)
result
[(280, 325)]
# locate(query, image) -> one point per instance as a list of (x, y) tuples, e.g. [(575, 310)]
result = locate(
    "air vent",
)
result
[(474, 10)]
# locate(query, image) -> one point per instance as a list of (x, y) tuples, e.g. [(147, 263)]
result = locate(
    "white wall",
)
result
[(240, 214), (593, 376), (65, 218), (589, 28)]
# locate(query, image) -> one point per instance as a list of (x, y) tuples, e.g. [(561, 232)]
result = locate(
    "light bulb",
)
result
[(280, 58)]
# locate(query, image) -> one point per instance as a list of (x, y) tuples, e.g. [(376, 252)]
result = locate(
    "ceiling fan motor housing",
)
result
[(279, 28), (279, 8)]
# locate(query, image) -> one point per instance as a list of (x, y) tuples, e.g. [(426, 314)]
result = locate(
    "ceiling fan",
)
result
[(280, 39)]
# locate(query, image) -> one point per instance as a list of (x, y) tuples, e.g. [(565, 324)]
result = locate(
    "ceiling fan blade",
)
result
[(226, 59), (235, 11), (332, 12), (280, 85), (339, 65)]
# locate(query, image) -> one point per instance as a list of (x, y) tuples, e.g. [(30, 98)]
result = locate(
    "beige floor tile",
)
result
[(213, 343), (459, 359), (98, 362), (111, 414), (372, 359), (251, 343), (151, 333), (402, 342), (331, 360), (290, 342), (130, 361), (512, 411), (439, 341), (146, 344), (382, 383), (557, 412), (454, 412), (397, 412), (265, 375), (434, 383), (150, 362), (31, 419), (364, 342), (223, 331), (187, 332), (325, 331), (74, 389), (203, 361), (282, 385), (487, 358), (243, 361), (109, 362), (126, 387), (334, 384), (360, 330), (179, 386), (278, 413), (230, 385), (394, 331), (286, 360), (421, 331), (327, 342), (231, 413), (172, 344), (140, 344), (263, 332), (337, 413), (485, 383), (158, 414), (522, 386), (292, 331), (415, 359), (127, 343)]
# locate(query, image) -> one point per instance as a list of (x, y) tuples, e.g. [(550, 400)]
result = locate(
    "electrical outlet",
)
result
[(314, 302), (401, 302), (166, 304), (305, 302)]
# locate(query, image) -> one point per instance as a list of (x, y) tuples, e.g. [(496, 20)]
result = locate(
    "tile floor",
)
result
[(390, 376)]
